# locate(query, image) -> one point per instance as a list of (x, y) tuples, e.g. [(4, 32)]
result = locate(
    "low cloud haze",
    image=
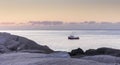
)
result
[(46, 22), (59, 25)]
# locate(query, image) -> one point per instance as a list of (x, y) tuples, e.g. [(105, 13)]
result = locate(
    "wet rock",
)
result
[(76, 52), (103, 51), (90, 52)]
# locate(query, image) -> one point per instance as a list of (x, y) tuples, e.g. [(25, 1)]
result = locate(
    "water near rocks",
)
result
[(57, 39)]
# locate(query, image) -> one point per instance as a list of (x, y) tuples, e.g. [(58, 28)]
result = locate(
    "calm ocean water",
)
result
[(57, 39)]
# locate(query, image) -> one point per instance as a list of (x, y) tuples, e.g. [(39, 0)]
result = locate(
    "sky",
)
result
[(59, 10)]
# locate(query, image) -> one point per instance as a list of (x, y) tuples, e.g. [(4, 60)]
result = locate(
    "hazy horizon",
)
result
[(60, 25)]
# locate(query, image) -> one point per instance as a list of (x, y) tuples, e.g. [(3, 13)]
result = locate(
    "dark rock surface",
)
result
[(14, 43), (103, 51), (90, 52), (77, 53)]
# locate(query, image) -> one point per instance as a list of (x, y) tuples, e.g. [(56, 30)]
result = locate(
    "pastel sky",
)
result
[(59, 10)]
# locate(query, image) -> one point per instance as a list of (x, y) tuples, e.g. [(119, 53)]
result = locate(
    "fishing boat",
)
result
[(71, 37)]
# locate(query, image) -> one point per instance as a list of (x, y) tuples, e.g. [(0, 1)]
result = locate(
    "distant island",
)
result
[(60, 25)]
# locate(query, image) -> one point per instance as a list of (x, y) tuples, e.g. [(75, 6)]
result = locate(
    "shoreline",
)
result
[(17, 50)]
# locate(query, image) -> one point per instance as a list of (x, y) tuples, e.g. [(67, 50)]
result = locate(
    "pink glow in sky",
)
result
[(59, 10)]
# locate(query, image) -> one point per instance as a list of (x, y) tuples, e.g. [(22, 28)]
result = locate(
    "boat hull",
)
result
[(75, 38)]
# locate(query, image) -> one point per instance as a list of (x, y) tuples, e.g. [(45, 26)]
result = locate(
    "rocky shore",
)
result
[(78, 53), (17, 50)]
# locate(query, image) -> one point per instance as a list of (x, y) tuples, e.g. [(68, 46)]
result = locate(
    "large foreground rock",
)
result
[(103, 58), (14, 43), (44, 59)]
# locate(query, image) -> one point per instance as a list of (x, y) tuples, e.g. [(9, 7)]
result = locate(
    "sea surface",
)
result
[(58, 39)]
